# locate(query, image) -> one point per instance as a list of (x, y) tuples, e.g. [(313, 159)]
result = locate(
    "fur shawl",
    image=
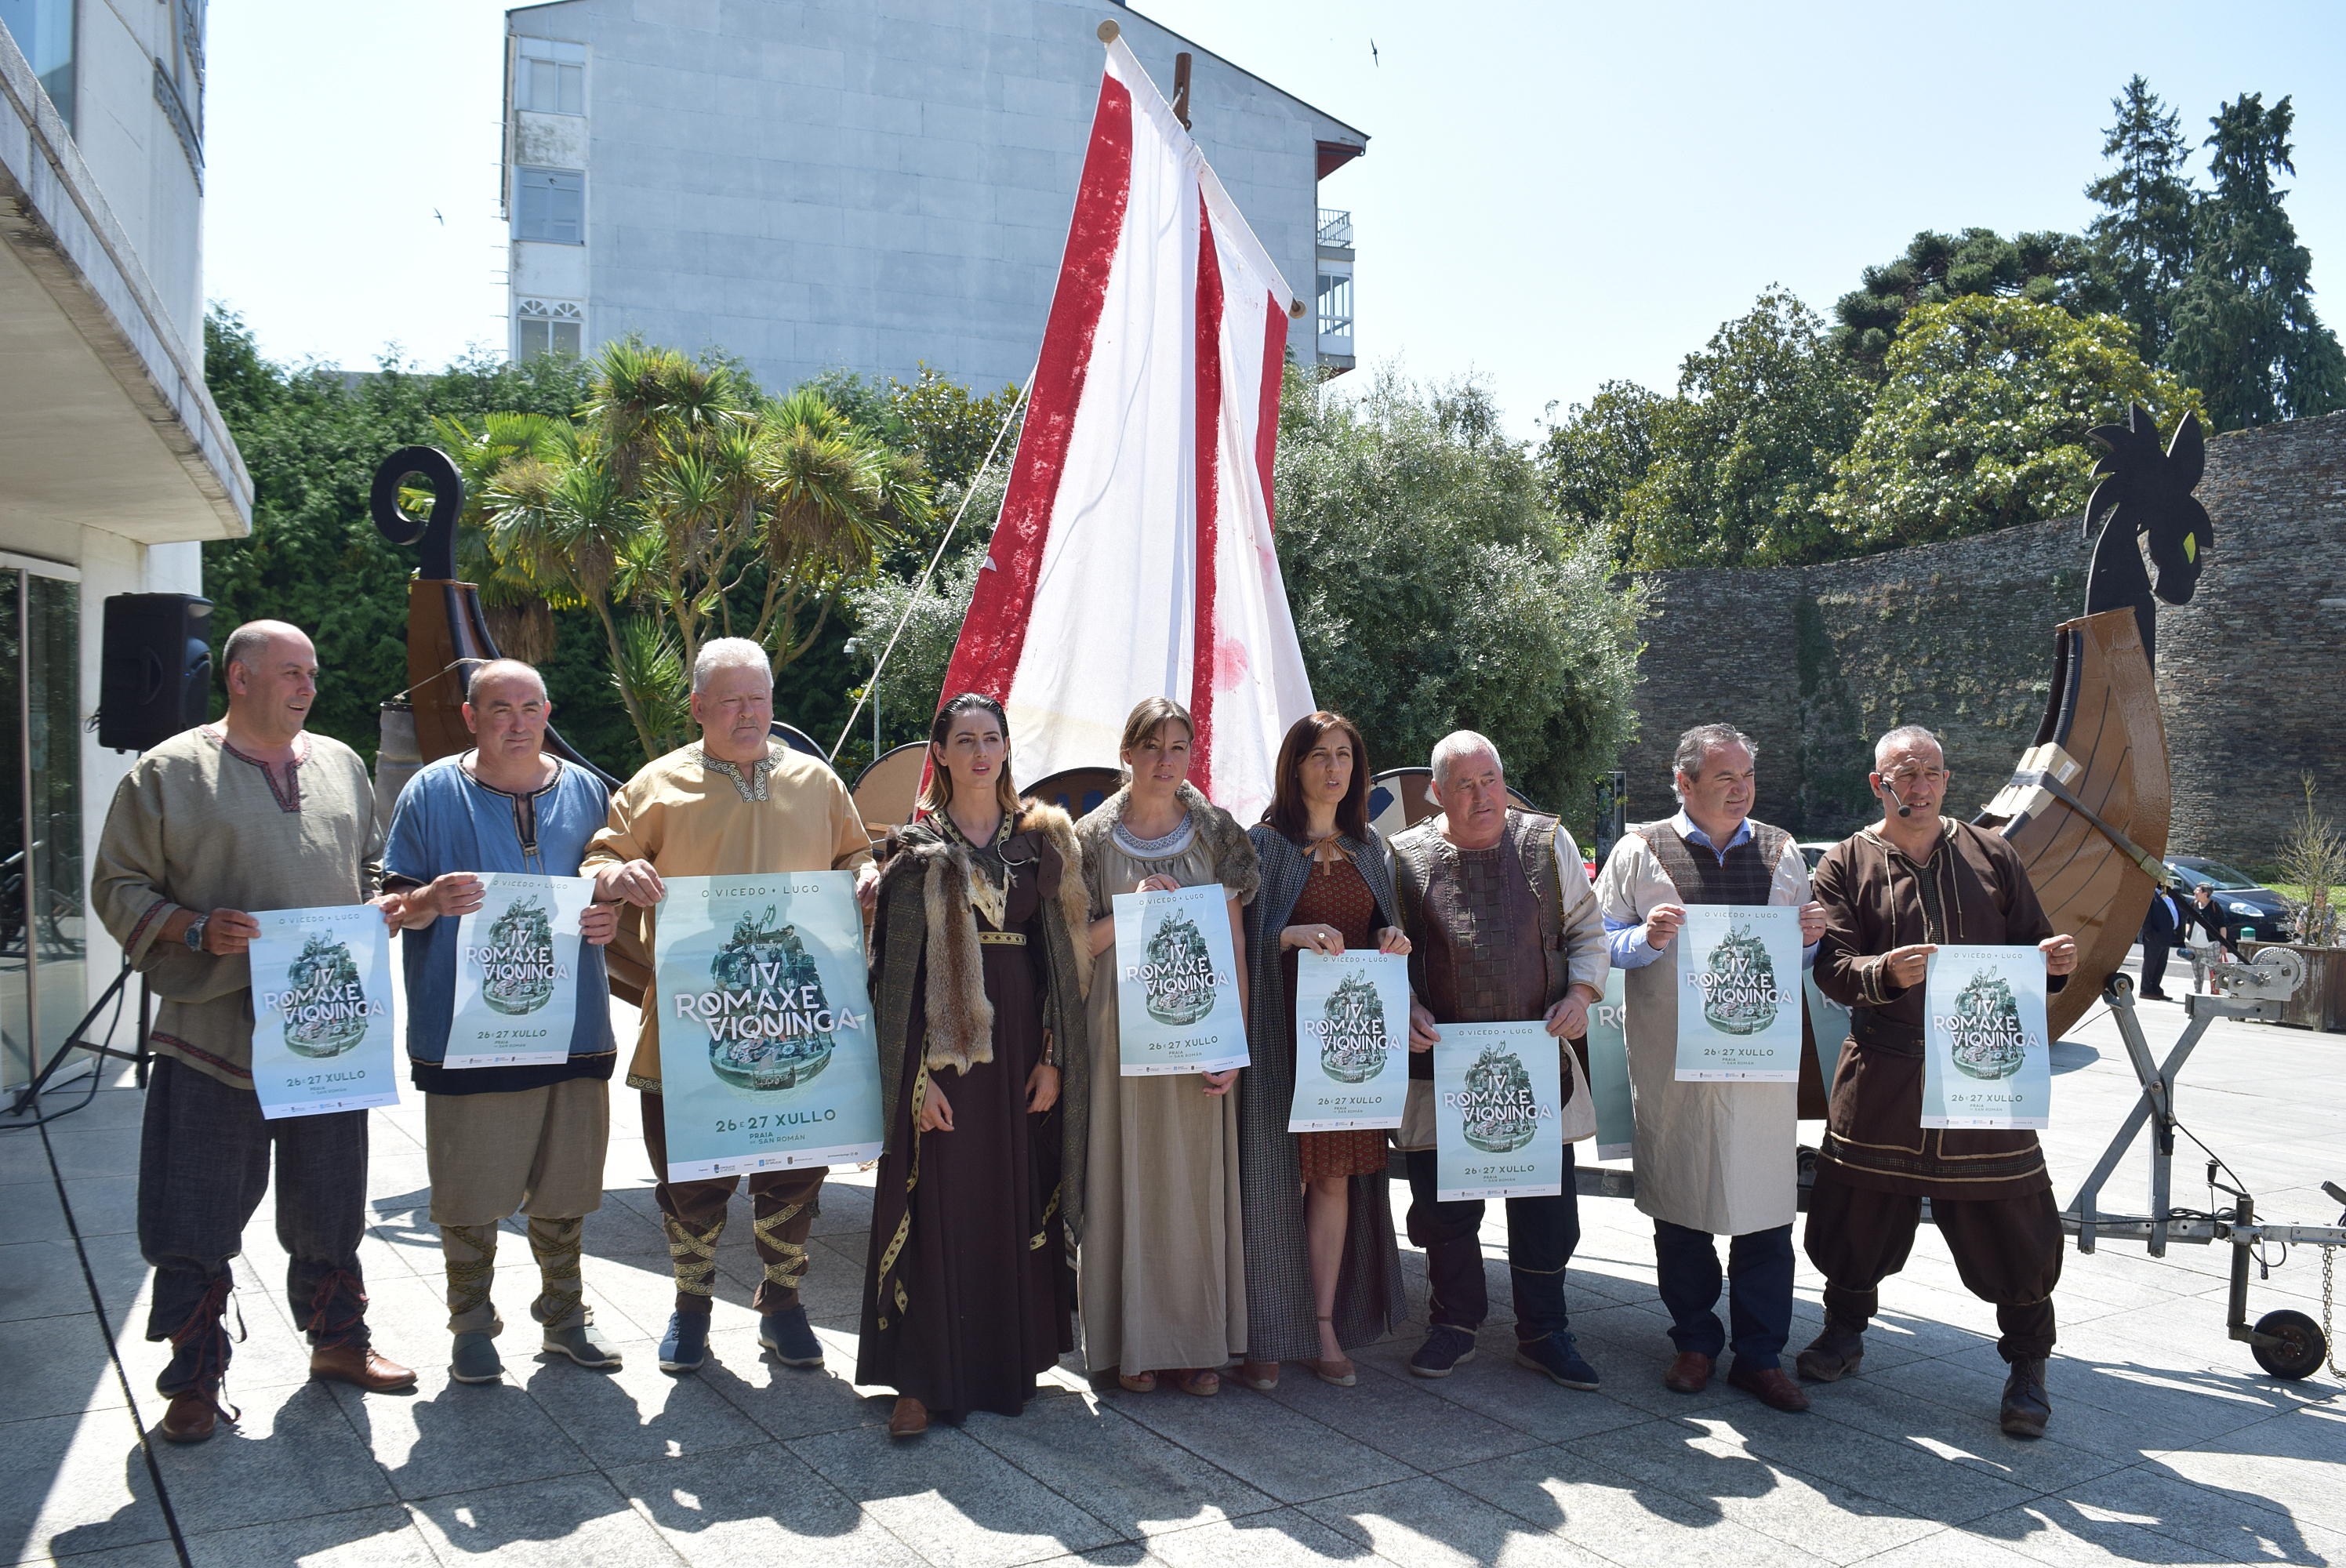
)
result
[(959, 1016), (1234, 866)]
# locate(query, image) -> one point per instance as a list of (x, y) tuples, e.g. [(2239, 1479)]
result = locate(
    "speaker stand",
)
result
[(140, 1055)]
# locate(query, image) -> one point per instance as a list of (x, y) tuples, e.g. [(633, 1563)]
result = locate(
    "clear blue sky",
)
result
[(1556, 195)]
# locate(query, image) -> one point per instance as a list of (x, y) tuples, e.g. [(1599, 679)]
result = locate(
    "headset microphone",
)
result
[(1892, 795)]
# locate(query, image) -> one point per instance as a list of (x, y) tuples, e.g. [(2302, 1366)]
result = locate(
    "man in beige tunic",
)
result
[(734, 803), (1712, 1159), (251, 813)]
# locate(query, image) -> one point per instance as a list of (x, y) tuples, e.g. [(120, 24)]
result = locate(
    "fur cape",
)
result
[(1234, 866), (924, 918)]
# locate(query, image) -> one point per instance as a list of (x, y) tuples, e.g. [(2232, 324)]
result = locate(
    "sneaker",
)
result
[(585, 1344), (685, 1344), (1445, 1349), (786, 1334), (475, 1360), (1555, 1356)]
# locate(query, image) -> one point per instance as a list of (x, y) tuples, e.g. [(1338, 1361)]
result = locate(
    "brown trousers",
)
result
[(782, 1210), (2007, 1250)]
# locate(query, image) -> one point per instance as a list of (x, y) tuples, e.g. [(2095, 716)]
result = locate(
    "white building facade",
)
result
[(114, 462), (842, 184)]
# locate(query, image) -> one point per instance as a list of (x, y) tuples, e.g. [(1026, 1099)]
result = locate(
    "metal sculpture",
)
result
[(2144, 492)]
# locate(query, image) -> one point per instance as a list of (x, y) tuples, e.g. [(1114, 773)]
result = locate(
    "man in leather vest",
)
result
[(1892, 893), (1503, 928), (1712, 1159)]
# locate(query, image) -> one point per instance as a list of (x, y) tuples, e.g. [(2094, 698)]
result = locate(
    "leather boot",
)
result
[(1833, 1354), (910, 1419), (362, 1368), (2026, 1406), (192, 1415)]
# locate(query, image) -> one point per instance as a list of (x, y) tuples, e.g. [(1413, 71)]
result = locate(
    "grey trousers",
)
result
[(203, 1165)]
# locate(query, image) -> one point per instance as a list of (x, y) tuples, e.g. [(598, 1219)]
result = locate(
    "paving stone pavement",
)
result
[(2167, 1445)]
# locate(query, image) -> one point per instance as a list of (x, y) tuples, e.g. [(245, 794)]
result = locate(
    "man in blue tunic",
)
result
[(506, 1138)]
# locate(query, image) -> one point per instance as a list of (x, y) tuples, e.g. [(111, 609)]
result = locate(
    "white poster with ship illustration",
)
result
[(1352, 1041), (517, 956), (1176, 983), (1738, 973), (768, 1058), (1497, 1088), (322, 1039), (1987, 1056)]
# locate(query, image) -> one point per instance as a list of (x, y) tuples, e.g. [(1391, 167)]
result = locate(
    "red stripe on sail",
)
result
[(1266, 429), (1206, 632), (993, 633)]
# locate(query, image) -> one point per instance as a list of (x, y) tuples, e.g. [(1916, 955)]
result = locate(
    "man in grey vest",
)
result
[(1712, 1159), (1503, 928)]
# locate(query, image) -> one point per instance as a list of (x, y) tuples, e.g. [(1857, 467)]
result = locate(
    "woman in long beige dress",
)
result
[(1162, 1272)]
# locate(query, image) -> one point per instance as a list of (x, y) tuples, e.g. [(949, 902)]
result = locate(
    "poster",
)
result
[(1608, 1070), (322, 1039), (1739, 970), (517, 961), (1352, 1041), (1829, 1025), (1987, 1060), (1176, 983), (768, 1058), (1496, 1091)]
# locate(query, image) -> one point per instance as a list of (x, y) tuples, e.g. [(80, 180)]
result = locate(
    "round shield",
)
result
[(884, 791)]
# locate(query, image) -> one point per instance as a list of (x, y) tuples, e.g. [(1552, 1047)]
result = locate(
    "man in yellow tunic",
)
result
[(734, 803)]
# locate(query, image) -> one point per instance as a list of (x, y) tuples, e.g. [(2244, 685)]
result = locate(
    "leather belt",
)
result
[(1002, 938)]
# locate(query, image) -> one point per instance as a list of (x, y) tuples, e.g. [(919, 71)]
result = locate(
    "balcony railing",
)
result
[(1335, 227)]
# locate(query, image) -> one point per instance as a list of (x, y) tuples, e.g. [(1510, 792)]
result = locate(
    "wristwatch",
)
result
[(194, 935)]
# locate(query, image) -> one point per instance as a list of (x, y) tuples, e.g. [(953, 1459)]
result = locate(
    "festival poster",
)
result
[(1987, 1057), (1352, 1041), (1496, 1091), (1176, 987), (323, 1036), (517, 961), (1739, 969), (769, 1057), (1608, 1070)]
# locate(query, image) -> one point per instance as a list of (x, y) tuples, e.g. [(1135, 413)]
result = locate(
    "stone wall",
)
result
[(1813, 662)]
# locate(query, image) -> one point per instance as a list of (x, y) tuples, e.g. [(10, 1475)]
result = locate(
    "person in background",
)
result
[(252, 813), (2207, 933), (497, 1139), (1503, 927), (735, 803), (980, 962), (2164, 927), (1713, 1159), (1162, 1287), (1323, 1271)]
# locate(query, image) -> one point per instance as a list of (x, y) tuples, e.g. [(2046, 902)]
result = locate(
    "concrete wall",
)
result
[(812, 185), (1815, 662)]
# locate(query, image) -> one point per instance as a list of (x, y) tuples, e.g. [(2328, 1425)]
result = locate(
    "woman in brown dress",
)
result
[(1323, 1270), (978, 984)]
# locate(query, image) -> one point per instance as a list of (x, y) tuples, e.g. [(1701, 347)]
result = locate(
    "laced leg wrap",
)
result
[(693, 1255), (561, 1297), (338, 1310), (785, 1261), (200, 1346), (470, 1253)]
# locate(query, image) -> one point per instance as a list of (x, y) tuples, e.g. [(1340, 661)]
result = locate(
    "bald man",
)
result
[(250, 813)]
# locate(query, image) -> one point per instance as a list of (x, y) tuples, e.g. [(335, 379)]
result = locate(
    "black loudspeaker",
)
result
[(155, 670)]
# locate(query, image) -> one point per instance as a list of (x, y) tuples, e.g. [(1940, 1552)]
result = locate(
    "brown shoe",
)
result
[(1771, 1389), (910, 1419), (192, 1415), (1262, 1377), (362, 1368), (1689, 1374)]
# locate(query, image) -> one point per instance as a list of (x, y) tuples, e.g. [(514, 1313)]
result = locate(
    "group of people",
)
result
[(1030, 1197)]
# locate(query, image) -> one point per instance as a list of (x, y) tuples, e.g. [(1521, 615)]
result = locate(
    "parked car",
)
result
[(1813, 851), (2244, 900)]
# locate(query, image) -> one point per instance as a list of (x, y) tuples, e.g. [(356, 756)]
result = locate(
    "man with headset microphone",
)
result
[(1892, 892)]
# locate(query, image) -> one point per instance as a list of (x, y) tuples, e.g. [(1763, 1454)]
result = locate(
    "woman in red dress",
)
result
[(1323, 1269)]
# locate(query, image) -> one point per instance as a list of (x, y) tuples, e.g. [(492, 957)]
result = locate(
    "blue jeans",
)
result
[(1541, 1235), (1758, 1284)]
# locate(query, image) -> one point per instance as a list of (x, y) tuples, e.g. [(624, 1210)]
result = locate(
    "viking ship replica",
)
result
[(2088, 805)]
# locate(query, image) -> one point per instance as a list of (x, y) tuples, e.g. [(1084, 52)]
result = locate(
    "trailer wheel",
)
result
[(2301, 1351)]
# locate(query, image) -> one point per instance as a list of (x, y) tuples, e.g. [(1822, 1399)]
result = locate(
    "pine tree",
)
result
[(2145, 239), (2245, 330), (2044, 269)]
